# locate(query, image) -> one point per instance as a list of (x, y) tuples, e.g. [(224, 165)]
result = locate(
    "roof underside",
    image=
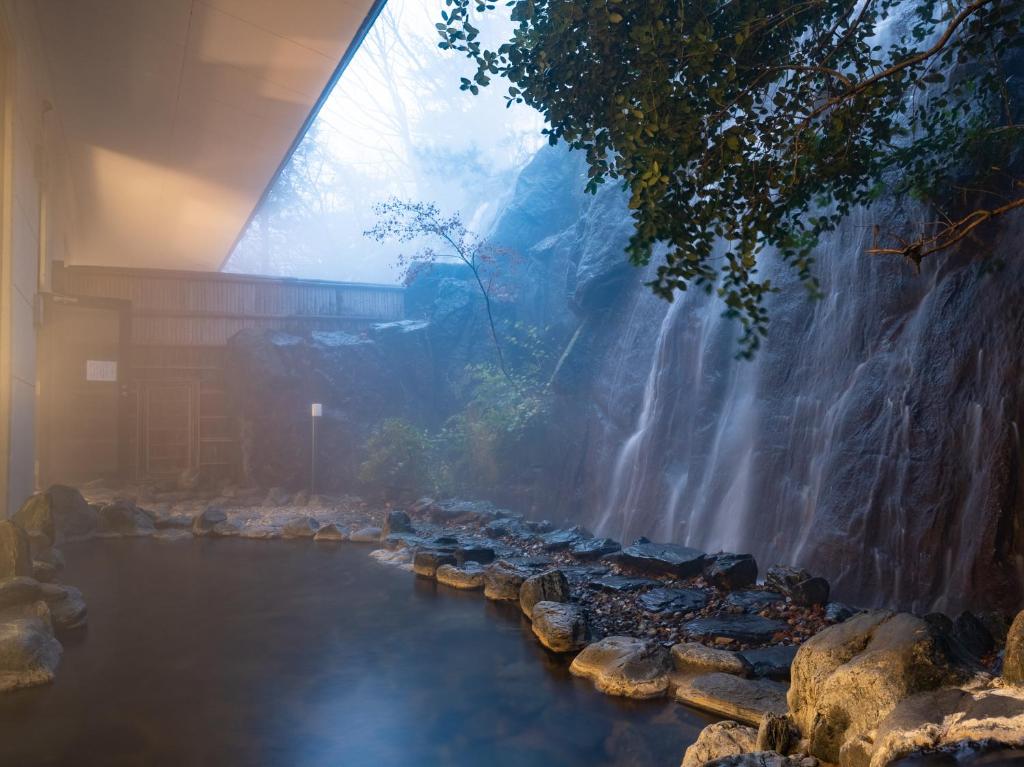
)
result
[(177, 113)]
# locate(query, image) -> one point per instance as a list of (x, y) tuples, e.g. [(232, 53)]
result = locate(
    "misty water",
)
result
[(294, 653)]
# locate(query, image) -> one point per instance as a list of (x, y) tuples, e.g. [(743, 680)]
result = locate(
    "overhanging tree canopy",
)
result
[(742, 125)]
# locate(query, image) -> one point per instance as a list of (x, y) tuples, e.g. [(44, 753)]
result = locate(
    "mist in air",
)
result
[(395, 125)]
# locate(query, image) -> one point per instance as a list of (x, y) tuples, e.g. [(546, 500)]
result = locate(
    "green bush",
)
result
[(397, 464)]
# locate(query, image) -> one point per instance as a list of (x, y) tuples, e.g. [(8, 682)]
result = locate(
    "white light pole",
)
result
[(316, 410)]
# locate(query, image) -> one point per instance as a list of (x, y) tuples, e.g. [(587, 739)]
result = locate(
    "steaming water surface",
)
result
[(203, 652)]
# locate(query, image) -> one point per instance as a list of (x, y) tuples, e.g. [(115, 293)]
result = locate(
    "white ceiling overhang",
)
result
[(177, 114)]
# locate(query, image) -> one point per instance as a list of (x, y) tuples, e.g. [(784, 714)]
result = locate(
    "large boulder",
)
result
[(730, 572), (426, 562), (397, 521), (625, 666), (503, 581), (550, 586), (60, 513), (720, 739), (1013, 658), (300, 527), (213, 522), (29, 653), (561, 627), (15, 554), (123, 517), (847, 678), (939, 719)]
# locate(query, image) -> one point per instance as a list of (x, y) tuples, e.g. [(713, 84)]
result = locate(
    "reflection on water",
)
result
[(293, 653)]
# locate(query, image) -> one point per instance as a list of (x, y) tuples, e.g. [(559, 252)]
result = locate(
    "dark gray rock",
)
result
[(730, 572), (663, 600), (398, 522), (60, 513), (621, 583), (799, 585), (550, 586), (595, 548), (44, 572), (837, 612), (300, 527), (663, 558), (560, 540), (753, 601), (15, 553), (560, 627), (539, 527), (498, 528), (773, 662), (426, 562), (123, 517), (67, 607), (502, 581), (207, 520), (478, 553), (742, 628), (973, 635)]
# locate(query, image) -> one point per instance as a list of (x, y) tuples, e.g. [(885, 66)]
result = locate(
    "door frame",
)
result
[(123, 308), (143, 388)]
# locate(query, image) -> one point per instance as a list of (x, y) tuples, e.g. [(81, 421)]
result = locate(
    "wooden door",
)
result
[(82, 366), (169, 425)]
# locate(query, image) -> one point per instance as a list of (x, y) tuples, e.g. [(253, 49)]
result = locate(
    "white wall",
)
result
[(38, 165)]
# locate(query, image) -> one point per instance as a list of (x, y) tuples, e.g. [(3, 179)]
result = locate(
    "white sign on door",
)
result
[(100, 370)]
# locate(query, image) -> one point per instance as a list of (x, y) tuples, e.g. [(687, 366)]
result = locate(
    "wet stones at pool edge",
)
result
[(468, 577), (732, 697), (561, 627), (397, 521), (720, 739), (1013, 656), (330, 532), (696, 658), (60, 513), (124, 518), (300, 527), (550, 586), (29, 652), (625, 666), (560, 540), (213, 522), (502, 581), (368, 534), (426, 561)]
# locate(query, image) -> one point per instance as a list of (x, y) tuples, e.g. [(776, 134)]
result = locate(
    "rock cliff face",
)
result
[(875, 439)]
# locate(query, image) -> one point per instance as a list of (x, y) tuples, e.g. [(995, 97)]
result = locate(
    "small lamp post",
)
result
[(316, 410)]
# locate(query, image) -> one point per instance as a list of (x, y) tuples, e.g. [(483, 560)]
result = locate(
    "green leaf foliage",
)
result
[(749, 126)]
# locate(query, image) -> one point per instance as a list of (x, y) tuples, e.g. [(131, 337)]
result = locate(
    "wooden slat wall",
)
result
[(182, 321)]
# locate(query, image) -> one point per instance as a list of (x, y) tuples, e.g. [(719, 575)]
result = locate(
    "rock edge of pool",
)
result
[(792, 678)]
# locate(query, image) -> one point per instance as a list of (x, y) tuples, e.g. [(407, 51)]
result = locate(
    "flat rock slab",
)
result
[(772, 662), (664, 558), (468, 577), (559, 540), (732, 697), (620, 583), (625, 666), (595, 548), (695, 658), (753, 601), (742, 628), (673, 600)]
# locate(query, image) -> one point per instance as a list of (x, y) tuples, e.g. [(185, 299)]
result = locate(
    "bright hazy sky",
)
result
[(396, 124)]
